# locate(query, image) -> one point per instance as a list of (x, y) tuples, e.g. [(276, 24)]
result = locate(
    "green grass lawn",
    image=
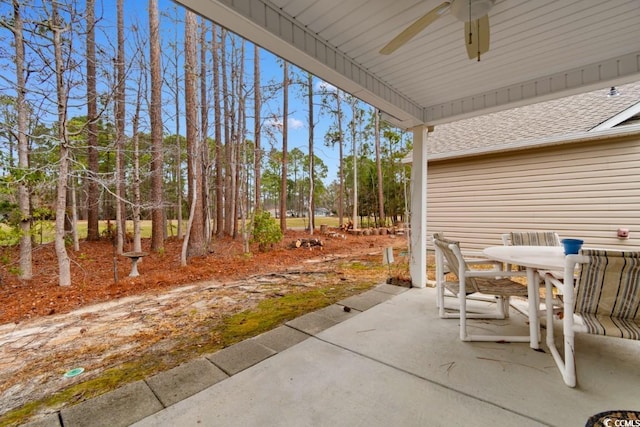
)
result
[(44, 230)]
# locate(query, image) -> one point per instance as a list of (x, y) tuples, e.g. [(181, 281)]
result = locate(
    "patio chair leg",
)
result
[(440, 300), (464, 336), (506, 301)]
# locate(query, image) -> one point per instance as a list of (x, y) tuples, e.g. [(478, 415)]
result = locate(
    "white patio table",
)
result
[(533, 258)]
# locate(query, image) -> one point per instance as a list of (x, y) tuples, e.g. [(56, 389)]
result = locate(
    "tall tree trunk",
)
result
[(237, 80), (64, 265), (376, 112), (218, 134), (340, 162), (137, 199), (242, 198), (204, 133), (26, 261), (74, 214), (354, 151), (119, 174), (256, 128), (178, 164), (195, 242), (93, 191), (228, 195), (312, 215), (121, 217), (157, 210), (285, 132)]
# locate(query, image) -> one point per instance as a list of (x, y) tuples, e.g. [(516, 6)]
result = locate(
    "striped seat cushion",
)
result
[(500, 287), (535, 238), (608, 293)]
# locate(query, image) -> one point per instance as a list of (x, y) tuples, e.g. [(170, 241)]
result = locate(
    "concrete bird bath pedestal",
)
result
[(134, 257)]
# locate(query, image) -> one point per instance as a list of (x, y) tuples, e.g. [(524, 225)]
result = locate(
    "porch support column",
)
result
[(418, 261)]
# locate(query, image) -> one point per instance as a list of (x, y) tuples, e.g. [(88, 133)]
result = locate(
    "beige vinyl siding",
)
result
[(582, 190)]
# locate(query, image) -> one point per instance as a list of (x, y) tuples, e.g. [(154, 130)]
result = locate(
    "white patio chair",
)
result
[(604, 301), (442, 268), (488, 282), (530, 238)]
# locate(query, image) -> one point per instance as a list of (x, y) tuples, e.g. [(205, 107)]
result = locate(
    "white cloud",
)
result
[(295, 123), (322, 86)]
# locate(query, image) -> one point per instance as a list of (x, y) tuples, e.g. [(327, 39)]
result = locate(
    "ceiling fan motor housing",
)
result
[(469, 10)]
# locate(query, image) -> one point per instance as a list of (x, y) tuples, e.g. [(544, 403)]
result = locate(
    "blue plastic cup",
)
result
[(572, 246)]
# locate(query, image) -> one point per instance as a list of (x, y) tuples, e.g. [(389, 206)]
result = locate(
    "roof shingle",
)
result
[(564, 116)]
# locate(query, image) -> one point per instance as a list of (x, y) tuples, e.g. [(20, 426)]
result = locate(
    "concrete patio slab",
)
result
[(313, 323), (185, 380), (120, 407), (368, 299), (318, 384), (50, 420), (390, 289), (281, 338), (337, 312), (240, 356), (508, 375)]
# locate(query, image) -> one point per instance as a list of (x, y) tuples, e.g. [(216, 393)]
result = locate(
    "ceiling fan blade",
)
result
[(412, 30), (476, 35)]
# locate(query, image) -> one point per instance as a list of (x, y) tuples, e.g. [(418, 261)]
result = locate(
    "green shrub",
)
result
[(265, 230), (9, 236)]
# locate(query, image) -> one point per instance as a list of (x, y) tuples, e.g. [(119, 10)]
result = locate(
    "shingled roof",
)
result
[(524, 126)]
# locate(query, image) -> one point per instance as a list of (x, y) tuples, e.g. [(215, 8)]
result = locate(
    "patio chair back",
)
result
[(535, 238), (530, 238), (608, 293), (454, 262)]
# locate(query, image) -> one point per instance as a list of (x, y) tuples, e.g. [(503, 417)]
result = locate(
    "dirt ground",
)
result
[(99, 323)]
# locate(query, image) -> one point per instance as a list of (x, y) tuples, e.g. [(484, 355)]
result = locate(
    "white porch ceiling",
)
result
[(539, 50)]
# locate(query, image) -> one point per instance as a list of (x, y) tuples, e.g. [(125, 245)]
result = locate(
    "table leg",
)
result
[(534, 306)]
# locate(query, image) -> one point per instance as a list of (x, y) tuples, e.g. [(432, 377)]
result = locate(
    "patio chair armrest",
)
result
[(565, 283), (552, 277)]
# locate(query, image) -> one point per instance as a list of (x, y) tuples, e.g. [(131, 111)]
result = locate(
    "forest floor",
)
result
[(124, 330)]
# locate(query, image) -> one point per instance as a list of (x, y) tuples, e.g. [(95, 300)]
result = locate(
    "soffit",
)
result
[(540, 50)]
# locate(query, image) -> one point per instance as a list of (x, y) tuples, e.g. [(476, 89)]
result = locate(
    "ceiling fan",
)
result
[(474, 14)]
